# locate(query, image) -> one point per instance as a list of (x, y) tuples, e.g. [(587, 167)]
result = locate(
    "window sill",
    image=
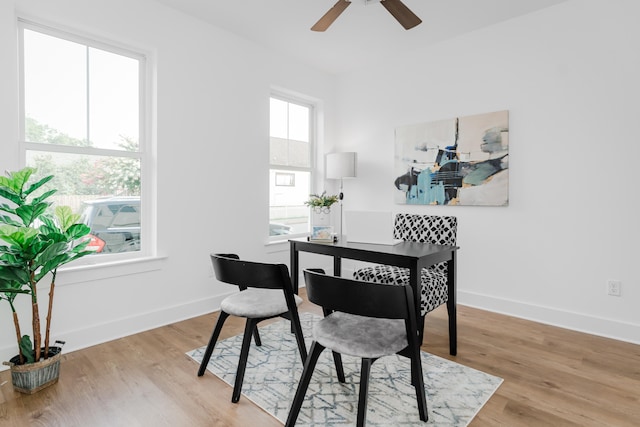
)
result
[(273, 246), (106, 270)]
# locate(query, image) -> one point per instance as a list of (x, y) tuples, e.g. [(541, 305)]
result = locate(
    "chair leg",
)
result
[(244, 355), (337, 360), (212, 342), (256, 337), (297, 330), (364, 391), (417, 379), (309, 366)]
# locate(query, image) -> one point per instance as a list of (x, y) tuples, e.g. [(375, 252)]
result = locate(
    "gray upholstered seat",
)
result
[(255, 303), (361, 336)]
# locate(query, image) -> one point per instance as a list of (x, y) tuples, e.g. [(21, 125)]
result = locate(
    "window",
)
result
[(83, 121), (285, 179), (290, 153)]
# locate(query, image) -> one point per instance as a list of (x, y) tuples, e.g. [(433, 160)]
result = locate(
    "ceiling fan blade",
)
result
[(405, 17), (333, 13)]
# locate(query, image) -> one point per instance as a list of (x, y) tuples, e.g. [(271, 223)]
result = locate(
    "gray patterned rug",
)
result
[(455, 393)]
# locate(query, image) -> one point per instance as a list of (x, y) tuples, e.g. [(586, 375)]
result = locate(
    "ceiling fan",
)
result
[(405, 17)]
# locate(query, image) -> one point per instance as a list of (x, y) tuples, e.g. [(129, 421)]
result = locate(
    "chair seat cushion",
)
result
[(361, 336), (257, 303), (434, 290)]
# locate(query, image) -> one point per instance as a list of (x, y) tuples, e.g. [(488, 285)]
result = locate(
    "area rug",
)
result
[(455, 393)]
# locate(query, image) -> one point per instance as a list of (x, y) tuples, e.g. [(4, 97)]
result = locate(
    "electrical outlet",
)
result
[(614, 288)]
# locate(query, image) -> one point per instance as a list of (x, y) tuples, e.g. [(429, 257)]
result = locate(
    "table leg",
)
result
[(415, 282), (451, 305), (294, 263)]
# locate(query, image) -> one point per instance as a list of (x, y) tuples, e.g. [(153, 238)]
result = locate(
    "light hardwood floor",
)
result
[(552, 377)]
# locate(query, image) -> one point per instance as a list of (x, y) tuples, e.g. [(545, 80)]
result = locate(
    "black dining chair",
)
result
[(265, 292), (365, 320)]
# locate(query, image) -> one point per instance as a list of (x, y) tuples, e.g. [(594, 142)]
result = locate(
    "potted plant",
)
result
[(33, 243), (320, 205), (319, 202)]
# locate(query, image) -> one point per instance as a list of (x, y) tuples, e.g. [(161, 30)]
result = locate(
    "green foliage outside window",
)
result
[(84, 175)]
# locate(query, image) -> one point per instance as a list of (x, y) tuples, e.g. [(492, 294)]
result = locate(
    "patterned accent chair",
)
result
[(440, 230)]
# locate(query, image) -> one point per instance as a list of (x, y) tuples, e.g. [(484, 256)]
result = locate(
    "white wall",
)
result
[(569, 77), (212, 91)]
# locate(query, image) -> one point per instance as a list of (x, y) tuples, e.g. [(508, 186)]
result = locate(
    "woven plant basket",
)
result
[(33, 377)]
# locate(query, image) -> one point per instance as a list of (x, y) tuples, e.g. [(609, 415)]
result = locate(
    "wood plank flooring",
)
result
[(552, 377)]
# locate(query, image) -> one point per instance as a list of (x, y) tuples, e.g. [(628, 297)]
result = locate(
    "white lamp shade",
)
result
[(341, 165)]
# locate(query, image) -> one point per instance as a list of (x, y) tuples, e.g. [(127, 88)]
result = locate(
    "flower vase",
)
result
[(321, 216)]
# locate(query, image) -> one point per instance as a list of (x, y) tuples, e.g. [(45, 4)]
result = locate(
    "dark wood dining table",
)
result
[(412, 255)]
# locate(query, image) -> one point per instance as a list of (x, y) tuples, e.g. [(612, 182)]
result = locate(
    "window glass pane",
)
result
[(298, 122), (113, 100), (286, 152), (55, 88), (299, 154), (104, 190), (279, 151), (279, 118), (287, 212), (285, 179)]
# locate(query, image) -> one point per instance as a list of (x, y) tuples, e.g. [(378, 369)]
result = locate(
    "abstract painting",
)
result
[(460, 161)]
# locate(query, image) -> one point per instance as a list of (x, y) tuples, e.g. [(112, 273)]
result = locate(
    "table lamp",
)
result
[(340, 166)]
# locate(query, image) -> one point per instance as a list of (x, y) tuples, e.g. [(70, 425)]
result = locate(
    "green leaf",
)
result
[(8, 220), (29, 213), (33, 187), (9, 194), (14, 276), (43, 196), (48, 226), (5, 182), (21, 237), (77, 231), (14, 291), (16, 180), (50, 251), (27, 349), (66, 217)]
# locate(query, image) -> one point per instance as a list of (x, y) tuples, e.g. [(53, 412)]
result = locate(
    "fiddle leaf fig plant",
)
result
[(34, 242)]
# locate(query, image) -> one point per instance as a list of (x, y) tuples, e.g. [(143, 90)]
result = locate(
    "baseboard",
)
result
[(91, 335), (580, 322)]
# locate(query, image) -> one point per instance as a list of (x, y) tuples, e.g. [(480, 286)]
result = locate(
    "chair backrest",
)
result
[(229, 268), (361, 298), (438, 230)]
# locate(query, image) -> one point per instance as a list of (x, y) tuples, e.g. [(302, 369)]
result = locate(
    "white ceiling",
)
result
[(364, 34)]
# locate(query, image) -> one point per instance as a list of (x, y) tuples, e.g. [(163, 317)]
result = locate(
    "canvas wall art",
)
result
[(459, 161)]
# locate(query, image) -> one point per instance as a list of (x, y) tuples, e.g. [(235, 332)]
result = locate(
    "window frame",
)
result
[(313, 107), (146, 147)]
